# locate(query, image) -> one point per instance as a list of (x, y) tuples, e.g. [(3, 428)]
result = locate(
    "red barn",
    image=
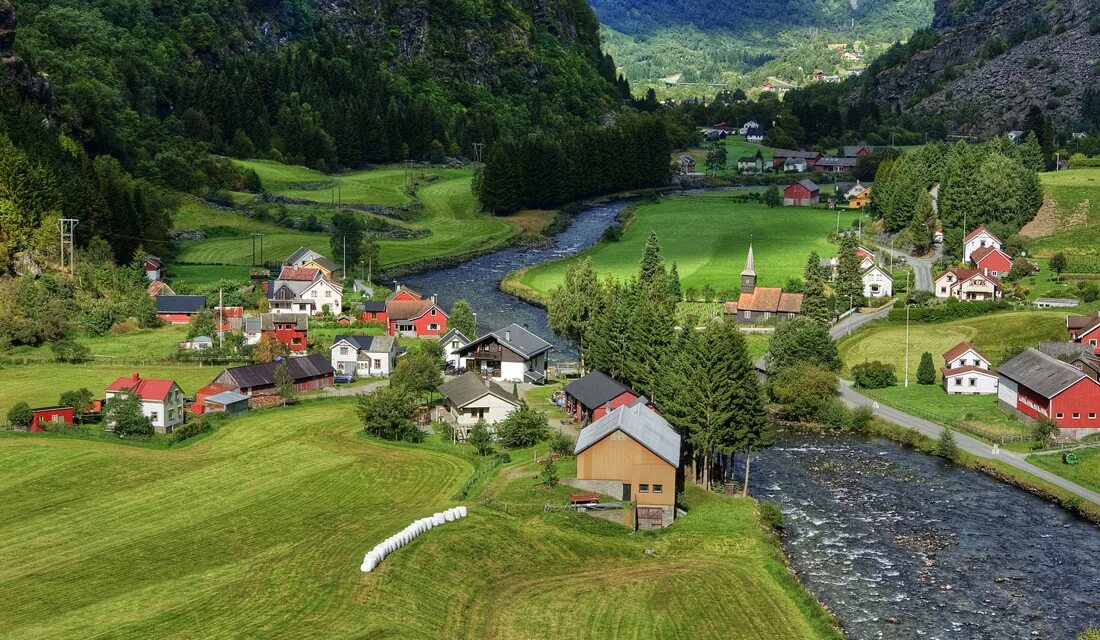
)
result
[(589, 398), (291, 329), (154, 268), (991, 261), (374, 311), (308, 373), (1037, 386), (803, 193), (179, 309), (50, 414), (409, 314)]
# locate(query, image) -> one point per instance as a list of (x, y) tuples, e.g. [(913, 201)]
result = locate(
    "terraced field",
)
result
[(258, 530)]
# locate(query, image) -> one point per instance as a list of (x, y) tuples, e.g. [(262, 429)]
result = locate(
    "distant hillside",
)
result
[(713, 40), (986, 63)]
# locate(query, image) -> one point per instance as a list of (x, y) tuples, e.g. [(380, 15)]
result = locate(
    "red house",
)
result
[(1084, 329), (410, 315), (179, 309), (1038, 386), (591, 397), (991, 261), (212, 389), (50, 414), (803, 193), (291, 329), (374, 311), (154, 268)]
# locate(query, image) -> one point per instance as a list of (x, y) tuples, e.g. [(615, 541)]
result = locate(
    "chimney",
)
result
[(507, 335), (433, 298), (607, 407)]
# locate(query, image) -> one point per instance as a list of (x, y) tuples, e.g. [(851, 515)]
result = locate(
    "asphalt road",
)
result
[(922, 267)]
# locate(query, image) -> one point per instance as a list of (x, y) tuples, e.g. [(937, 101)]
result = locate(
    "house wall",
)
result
[(961, 384), (325, 297), (495, 409), (175, 318), (40, 418), (373, 316), (426, 325), (1007, 392), (977, 242), (968, 359), (288, 337), (885, 285), (593, 414), (512, 371), (1031, 404), (995, 264), (620, 457), (1091, 338), (376, 370), (1082, 398)]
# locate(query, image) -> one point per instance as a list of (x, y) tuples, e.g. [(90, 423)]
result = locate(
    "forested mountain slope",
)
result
[(716, 40), (986, 63)]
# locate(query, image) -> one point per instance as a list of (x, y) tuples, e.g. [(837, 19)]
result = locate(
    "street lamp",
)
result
[(906, 329)]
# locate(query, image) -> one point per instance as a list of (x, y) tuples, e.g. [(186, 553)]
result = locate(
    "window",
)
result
[(1092, 415), (433, 327), (377, 363), (343, 351), (153, 416), (433, 312), (1059, 415), (958, 382), (643, 488), (314, 294), (1076, 416), (295, 341), (943, 289), (657, 488), (973, 382), (1092, 342), (454, 344), (328, 294)]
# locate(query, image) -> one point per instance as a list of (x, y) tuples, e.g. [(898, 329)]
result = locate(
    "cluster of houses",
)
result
[(981, 281), (801, 161), (751, 130), (807, 193)]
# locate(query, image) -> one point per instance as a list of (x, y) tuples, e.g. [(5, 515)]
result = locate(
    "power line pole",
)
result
[(261, 237), (344, 269), (67, 226), (221, 321), (478, 148)]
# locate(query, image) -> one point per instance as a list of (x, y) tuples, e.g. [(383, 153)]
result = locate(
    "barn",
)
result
[(591, 397), (1036, 386), (803, 193), (179, 309), (44, 415), (309, 373)]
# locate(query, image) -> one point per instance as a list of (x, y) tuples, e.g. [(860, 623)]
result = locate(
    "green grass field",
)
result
[(977, 414), (708, 237), (1070, 190), (259, 528), (135, 345), (736, 146), (1085, 473), (451, 213)]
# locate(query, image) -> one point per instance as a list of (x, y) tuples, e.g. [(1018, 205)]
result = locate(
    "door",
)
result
[(626, 493)]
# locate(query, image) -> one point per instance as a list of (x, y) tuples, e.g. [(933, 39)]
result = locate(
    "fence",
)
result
[(472, 480)]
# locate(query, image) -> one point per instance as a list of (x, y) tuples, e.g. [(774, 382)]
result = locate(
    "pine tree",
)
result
[(923, 224), (653, 268), (606, 338), (926, 371), (815, 305), (1031, 154), (849, 280), (675, 293)]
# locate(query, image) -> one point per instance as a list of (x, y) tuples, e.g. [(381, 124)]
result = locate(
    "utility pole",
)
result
[(478, 148), (344, 269), (907, 338), (67, 226), (261, 237), (221, 320)]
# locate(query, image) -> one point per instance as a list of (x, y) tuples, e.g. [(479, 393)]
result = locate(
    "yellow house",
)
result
[(861, 201), (324, 265)]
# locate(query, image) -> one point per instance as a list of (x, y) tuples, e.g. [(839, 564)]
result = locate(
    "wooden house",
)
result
[(511, 354), (803, 193), (967, 284), (302, 256), (452, 341), (468, 399), (308, 373), (161, 400), (759, 304), (1084, 329), (591, 397), (42, 416), (179, 309), (977, 239), (835, 165), (877, 282), (154, 268), (1035, 385), (364, 356), (967, 371), (991, 260)]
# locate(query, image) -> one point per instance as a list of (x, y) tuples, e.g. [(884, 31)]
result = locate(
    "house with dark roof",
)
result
[(780, 157), (1035, 386), (179, 309), (835, 165), (364, 356), (301, 256), (452, 341), (322, 264), (967, 371), (468, 399), (635, 452), (372, 311), (754, 134), (307, 372), (759, 304), (967, 284), (511, 354), (593, 396), (161, 400), (857, 151), (804, 193), (750, 164)]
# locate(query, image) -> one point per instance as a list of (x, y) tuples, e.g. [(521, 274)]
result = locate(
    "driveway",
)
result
[(970, 445), (857, 320), (345, 390)]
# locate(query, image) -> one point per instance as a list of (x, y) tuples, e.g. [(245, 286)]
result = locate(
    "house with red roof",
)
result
[(967, 371), (299, 274), (978, 238), (967, 284), (991, 260), (759, 304), (161, 400), (1084, 329), (411, 315), (803, 193)]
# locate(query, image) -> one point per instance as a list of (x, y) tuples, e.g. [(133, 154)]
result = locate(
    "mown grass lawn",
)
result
[(1085, 473), (187, 278), (979, 414), (708, 237), (135, 345), (259, 528)]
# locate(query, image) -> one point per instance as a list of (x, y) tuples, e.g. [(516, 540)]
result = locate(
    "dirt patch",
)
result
[(1051, 219)]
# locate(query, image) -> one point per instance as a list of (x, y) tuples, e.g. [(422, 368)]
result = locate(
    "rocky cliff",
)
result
[(993, 60)]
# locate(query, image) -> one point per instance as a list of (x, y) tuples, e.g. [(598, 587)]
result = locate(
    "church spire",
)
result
[(750, 264), (748, 276)]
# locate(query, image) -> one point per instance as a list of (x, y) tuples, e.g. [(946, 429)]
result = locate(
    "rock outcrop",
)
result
[(12, 67), (1050, 66)]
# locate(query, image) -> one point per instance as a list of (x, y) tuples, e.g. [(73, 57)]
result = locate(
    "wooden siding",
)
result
[(620, 457)]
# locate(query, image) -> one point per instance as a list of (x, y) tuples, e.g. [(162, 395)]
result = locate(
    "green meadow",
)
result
[(1085, 473), (259, 528), (708, 237), (1077, 195)]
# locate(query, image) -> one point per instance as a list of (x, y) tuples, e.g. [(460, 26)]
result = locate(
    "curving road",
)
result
[(922, 267)]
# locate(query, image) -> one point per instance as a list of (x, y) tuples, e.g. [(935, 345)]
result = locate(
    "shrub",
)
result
[(926, 372), (69, 350), (860, 421), (834, 414), (522, 427), (549, 473), (1088, 291), (803, 390), (1046, 430), (20, 415), (874, 375), (480, 439), (946, 447), (193, 427), (770, 515), (561, 444)]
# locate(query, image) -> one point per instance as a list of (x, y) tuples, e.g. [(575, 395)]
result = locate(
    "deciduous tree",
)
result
[(389, 413), (462, 319)]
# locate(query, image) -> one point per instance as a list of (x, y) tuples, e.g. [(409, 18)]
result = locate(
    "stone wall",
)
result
[(610, 488)]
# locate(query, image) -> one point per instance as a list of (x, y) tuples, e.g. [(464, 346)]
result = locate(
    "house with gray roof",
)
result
[(301, 256), (308, 373), (468, 399), (452, 341), (364, 356), (511, 354), (1037, 386)]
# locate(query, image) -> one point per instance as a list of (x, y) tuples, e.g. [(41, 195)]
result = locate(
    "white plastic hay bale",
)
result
[(449, 515), (462, 512), (429, 522), (439, 519)]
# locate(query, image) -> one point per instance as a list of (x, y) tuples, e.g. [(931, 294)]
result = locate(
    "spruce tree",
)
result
[(675, 293), (815, 305), (573, 305), (923, 224), (1031, 154), (849, 279), (653, 268), (650, 332), (606, 339), (926, 371)]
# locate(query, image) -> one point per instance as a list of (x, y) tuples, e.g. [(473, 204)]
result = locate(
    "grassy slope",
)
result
[(708, 237), (1085, 473), (451, 213), (1069, 189), (258, 529)]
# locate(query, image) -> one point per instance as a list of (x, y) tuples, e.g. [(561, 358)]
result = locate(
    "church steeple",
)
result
[(748, 276)]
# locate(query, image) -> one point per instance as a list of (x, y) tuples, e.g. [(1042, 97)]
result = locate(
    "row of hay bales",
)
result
[(375, 556)]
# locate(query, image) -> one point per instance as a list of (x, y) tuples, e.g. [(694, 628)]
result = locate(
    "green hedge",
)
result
[(948, 310)]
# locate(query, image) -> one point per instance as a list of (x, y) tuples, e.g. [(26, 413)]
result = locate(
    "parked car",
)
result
[(342, 379)]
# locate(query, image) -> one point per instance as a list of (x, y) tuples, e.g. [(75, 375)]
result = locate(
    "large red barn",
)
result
[(1038, 386), (803, 193)]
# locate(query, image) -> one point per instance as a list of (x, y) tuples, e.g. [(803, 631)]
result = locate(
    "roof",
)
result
[(300, 320), (788, 153), (398, 289), (790, 303), (961, 348), (1079, 322), (1043, 374), (144, 388), (875, 267), (180, 304), (837, 162), (754, 132), (640, 423), (454, 334), (326, 263), (976, 232), (957, 371), (253, 324), (469, 387), (1071, 302), (853, 150), (306, 274), (769, 299), (159, 288), (374, 306), (1060, 349), (595, 389), (258, 375), (750, 264), (409, 309), (516, 338), (809, 185), (301, 254), (747, 160), (226, 397), (966, 274), (370, 344), (203, 339)]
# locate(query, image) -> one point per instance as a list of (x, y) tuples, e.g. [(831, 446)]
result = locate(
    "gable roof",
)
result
[(875, 267), (961, 348), (258, 375), (789, 153), (469, 387), (144, 388), (595, 389), (963, 275), (957, 371), (980, 230), (326, 263), (291, 273), (300, 320), (159, 288), (454, 334), (850, 151), (516, 338), (809, 185), (180, 304), (770, 299), (410, 309), (1078, 322), (1041, 373), (371, 344), (303, 253), (981, 253), (746, 160), (399, 288), (754, 132), (640, 423), (837, 162)]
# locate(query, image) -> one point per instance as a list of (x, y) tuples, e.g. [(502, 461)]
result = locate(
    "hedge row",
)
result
[(948, 310)]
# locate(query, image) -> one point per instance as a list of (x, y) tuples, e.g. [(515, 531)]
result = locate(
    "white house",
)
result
[(317, 297), (877, 283), (364, 356), (468, 399), (967, 284), (976, 239), (302, 256), (161, 400), (792, 164), (452, 341), (967, 371), (857, 190), (754, 134), (751, 124), (511, 354)]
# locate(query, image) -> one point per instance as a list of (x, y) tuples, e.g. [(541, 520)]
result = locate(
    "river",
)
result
[(898, 544)]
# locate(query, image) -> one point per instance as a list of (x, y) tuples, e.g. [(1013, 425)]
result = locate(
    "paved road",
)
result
[(857, 320), (922, 267), (965, 442)]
